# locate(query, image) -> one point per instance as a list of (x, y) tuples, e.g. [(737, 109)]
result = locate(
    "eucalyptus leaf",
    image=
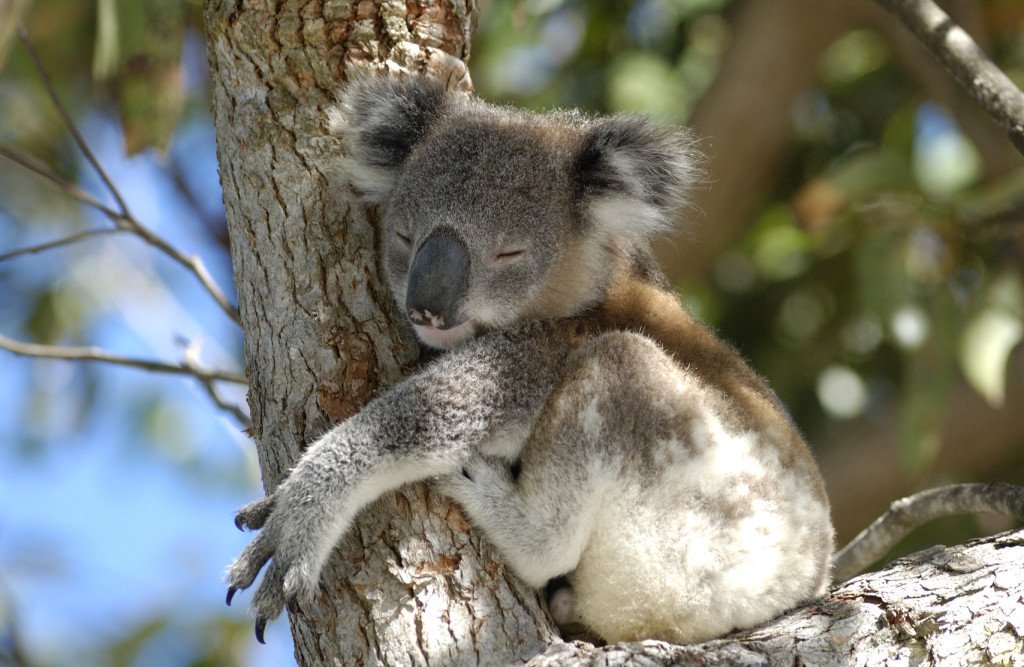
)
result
[(991, 336), (11, 12), (139, 52), (106, 53)]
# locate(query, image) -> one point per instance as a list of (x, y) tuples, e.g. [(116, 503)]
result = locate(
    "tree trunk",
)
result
[(409, 584)]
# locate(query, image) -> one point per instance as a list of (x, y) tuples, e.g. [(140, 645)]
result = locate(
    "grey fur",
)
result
[(655, 468)]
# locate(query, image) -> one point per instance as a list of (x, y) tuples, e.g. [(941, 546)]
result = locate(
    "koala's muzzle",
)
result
[(438, 279)]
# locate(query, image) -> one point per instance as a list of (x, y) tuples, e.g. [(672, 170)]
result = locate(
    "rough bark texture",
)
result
[(410, 585), (958, 606)]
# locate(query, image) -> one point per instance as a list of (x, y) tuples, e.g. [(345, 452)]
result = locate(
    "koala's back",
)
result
[(701, 510)]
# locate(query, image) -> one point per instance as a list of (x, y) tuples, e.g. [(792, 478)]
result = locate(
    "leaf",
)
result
[(990, 337), (106, 53), (139, 51), (11, 12)]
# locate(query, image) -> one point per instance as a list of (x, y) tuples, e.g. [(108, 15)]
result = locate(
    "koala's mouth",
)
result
[(445, 339)]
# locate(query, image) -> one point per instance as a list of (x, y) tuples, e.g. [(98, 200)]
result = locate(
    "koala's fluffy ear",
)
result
[(381, 120), (633, 177)]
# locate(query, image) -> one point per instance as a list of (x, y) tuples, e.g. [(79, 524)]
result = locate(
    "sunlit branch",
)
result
[(11, 650), (965, 60), (96, 354), (908, 513), (122, 218)]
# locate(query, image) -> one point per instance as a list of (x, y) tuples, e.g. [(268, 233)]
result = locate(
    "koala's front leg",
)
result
[(539, 522), (425, 426)]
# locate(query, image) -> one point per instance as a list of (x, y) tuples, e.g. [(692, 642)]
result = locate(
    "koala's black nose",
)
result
[(437, 280)]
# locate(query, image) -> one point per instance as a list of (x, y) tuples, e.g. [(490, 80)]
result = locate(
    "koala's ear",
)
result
[(633, 177), (380, 121)]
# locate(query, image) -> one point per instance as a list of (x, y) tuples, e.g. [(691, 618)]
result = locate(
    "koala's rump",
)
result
[(698, 527)]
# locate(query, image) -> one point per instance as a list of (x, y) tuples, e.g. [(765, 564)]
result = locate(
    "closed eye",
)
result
[(506, 255), (407, 240)]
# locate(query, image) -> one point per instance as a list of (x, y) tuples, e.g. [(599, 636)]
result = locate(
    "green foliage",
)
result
[(136, 52), (883, 269)]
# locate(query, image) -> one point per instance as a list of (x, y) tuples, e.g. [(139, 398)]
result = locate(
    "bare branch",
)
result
[(908, 513), (65, 115), (122, 218), (176, 172), (235, 410), (965, 60), (193, 263), (57, 243), (191, 360), (127, 222), (96, 354), (11, 650), (31, 164)]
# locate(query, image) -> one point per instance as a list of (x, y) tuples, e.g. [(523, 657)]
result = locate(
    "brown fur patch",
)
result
[(637, 303)]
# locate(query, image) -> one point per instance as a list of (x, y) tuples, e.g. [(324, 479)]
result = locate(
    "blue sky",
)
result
[(122, 513)]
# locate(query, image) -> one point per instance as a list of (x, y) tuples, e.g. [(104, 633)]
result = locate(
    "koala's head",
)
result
[(493, 215)]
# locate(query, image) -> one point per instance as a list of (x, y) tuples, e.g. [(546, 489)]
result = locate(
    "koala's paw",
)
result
[(255, 514), (480, 476), (285, 543)]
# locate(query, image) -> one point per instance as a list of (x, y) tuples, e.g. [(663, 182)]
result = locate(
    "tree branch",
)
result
[(34, 166), (965, 60), (122, 217), (959, 605), (57, 243), (906, 514), (95, 354), (11, 650), (65, 115)]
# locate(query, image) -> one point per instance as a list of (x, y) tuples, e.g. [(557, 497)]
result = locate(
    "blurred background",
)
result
[(860, 239)]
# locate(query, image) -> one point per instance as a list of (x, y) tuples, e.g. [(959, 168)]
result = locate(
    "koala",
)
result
[(581, 417)]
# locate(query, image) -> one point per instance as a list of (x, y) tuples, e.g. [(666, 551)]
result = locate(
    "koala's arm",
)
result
[(429, 424)]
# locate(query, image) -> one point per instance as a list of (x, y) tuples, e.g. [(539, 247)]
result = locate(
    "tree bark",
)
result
[(958, 606), (409, 584)]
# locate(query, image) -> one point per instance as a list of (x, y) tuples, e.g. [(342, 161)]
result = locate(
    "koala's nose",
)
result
[(437, 280)]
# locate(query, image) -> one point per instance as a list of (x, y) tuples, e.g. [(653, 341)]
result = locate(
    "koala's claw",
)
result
[(261, 625), (231, 593), (254, 515)]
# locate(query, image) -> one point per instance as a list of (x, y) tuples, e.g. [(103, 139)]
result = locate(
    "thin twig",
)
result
[(67, 240), (236, 411), (192, 263), (39, 168), (124, 218), (96, 354), (125, 222), (65, 115), (965, 60), (177, 176)]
